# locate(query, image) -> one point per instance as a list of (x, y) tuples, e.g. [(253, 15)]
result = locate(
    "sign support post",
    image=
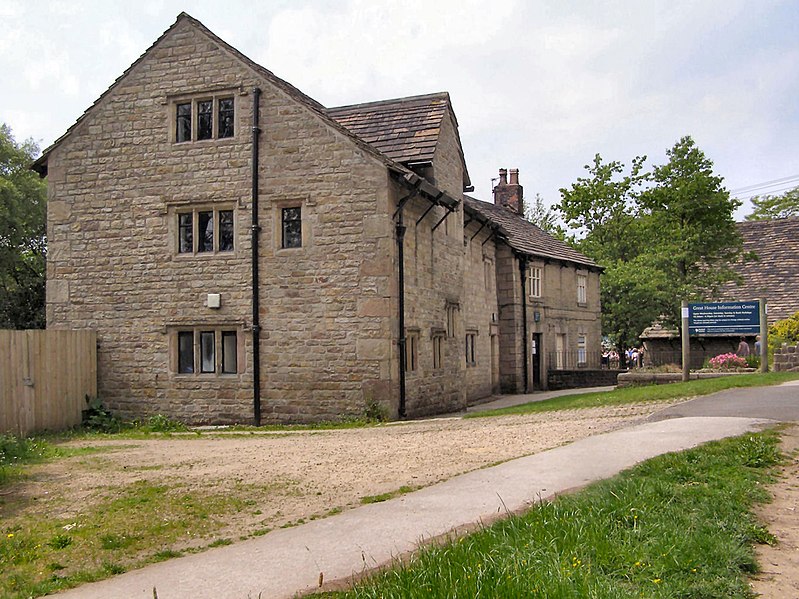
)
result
[(763, 335), (686, 343)]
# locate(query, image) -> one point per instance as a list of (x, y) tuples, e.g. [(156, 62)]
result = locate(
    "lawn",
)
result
[(643, 393), (679, 525)]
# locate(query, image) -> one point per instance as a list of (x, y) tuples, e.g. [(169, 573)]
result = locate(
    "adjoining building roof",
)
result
[(775, 274), (523, 236)]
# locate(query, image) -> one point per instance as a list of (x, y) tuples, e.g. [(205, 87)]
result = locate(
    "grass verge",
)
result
[(130, 527), (679, 525), (644, 393)]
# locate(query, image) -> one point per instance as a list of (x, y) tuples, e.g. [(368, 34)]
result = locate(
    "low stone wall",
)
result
[(628, 379), (576, 379), (786, 358)]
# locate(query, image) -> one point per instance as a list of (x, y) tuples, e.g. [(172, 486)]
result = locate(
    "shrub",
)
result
[(727, 362), (784, 331)]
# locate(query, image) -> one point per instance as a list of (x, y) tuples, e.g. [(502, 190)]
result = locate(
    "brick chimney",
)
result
[(509, 194)]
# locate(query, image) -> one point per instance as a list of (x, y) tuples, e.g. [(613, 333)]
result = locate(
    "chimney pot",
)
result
[(510, 195)]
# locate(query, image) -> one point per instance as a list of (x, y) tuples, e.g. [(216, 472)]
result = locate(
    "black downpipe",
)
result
[(523, 271), (255, 230), (401, 291)]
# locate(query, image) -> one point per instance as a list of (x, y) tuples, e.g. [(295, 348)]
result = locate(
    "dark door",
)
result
[(537, 349)]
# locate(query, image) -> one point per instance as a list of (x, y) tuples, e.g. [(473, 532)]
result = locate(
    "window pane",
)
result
[(205, 115), (229, 352), (225, 118), (186, 352), (292, 227), (207, 358), (185, 233), (226, 231), (183, 123), (205, 233)]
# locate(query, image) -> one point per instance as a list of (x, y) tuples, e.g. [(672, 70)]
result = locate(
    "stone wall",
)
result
[(573, 379), (786, 358), (115, 187)]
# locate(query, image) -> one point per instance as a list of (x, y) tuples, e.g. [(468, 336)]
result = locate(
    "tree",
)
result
[(662, 236), (603, 209), (779, 206), (690, 223), (23, 243), (544, 217)]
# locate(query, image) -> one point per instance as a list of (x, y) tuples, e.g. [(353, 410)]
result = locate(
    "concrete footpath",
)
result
[(289, 561)]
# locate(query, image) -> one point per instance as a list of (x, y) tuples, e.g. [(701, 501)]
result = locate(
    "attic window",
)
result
[(203, 118)]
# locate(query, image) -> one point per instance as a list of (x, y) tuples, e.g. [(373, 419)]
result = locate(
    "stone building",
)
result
[(245, 253)]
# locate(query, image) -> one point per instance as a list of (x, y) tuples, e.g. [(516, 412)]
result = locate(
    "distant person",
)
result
[(743, 348), (757, 345)]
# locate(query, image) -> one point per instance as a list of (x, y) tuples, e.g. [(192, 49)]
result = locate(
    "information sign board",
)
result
[(724, 318)]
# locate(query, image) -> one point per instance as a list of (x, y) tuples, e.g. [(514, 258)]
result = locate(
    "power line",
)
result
[(766, 184)]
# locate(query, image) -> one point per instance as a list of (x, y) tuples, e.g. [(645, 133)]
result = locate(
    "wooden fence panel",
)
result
[(44, 379)]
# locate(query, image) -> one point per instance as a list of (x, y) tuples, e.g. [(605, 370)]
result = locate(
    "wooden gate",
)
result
[(45, 377)]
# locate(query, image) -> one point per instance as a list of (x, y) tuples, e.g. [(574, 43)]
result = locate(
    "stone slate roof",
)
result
[(775, 275), (405, 129), (522, 235)]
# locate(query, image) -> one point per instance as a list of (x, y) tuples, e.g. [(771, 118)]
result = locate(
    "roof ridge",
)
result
[(401, 100)]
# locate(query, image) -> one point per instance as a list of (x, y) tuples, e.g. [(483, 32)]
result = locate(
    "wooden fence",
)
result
[(45, 377)]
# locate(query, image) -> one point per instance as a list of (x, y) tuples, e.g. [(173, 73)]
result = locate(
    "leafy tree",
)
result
[(778, 206), (690, 223), (662, 236), (603, 209), (23, 243), (544, 217)]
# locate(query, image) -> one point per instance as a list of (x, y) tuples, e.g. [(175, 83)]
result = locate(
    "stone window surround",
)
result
[(173, 331), (173, 211), (194, 98), (277, 224), (452, 308)]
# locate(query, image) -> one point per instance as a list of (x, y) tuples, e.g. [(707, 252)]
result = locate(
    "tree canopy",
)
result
[(775, 206), (662, 235), (23, 242)]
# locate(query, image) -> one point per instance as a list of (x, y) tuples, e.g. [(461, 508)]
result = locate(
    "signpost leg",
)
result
[(686, 343), (763, 336)]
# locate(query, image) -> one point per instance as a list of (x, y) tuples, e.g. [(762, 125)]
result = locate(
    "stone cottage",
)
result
[(246, 254)]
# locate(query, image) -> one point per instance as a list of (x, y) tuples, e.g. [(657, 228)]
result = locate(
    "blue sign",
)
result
[(724, 318)]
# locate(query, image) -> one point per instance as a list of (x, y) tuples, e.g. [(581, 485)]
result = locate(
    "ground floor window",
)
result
[(438, 351), (207, 350), (471, 359), (411, 351), (581, 350)]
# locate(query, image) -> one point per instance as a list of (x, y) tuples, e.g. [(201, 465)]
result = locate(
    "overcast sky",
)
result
[(537, 85)]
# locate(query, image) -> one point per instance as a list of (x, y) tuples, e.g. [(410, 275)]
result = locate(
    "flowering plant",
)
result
[(727, 362)]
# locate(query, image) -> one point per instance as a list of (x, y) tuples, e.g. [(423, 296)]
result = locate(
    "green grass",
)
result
[(132, 526), (386, 496), (643, 393), (679, 525)]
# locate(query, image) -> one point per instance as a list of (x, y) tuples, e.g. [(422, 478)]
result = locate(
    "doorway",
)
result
[(537, 350)]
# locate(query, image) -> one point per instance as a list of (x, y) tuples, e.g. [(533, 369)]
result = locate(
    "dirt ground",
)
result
[(779, 563), (292, 477)]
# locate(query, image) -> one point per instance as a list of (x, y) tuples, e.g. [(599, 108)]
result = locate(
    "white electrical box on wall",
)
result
[(214, 300)]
